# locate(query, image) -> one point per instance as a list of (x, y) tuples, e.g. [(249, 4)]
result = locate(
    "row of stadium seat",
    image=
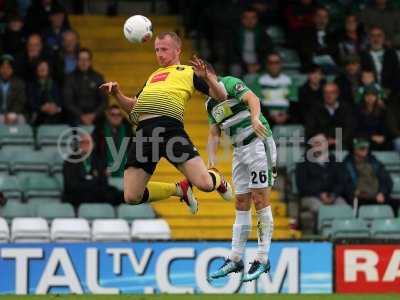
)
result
[(51, 209), (358, 228), (328, 215), (43, 135), (31, 230)]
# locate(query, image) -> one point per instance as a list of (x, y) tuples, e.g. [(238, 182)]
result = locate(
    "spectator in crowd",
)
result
[(66, 58), (318, 45), (267, 10), (353, 40), (365, 177), (53, 35), (318, 180), (370, 120), (27, 61), (393, 122), (300, 17), (383, 14), (310, 94), (349, 81), (12, 93), (368, 80), (82, 98), (85, 177), (275, 90), (37, 17), (13, 38), (45, 97), (383, 61), (329, 116), (114, 126), (251, 42)]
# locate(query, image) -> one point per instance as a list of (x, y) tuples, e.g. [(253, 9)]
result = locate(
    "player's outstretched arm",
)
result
[(216, 90), (255, 110), (112, 88), (214, 134)]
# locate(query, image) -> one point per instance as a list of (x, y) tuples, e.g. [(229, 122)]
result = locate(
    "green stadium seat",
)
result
[(49, 134), (52, 211), (132, 212), (350, 228), (277, 35), (371, 212), (328, 213), (39, 185), (93, 211), (391, 160), (14, 209), (16, 135), (396, 185), (10, 187), (29, 161), (87, 128), (290, 58), (4, 161), (117, 182), (298, 78), (386, 228)]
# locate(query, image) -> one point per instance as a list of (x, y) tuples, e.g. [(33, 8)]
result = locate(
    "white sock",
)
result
[(265, 227), (240, 233)]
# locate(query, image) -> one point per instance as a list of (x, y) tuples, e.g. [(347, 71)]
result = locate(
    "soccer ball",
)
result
[(138, 29)]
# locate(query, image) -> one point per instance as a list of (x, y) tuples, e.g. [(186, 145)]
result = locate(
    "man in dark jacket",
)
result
[(251, 43), (318, 44), (384, 61), (329, 116), (85, 177), (12, 93), (350, 80), (310, 94), (318, 181), (365, 177), (82, 98)]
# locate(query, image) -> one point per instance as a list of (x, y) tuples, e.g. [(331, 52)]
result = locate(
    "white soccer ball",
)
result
[(138, 29)]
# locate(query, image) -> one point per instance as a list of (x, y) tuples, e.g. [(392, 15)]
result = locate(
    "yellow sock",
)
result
[(160, 191), (216, 177)]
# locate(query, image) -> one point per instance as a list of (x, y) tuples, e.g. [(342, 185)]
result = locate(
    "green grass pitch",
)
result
[(205, 297)]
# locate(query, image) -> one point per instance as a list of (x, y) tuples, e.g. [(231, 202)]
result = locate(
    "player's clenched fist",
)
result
[(111, 87)]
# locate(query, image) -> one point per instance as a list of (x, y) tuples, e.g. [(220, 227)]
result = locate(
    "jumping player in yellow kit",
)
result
[(158, 111)]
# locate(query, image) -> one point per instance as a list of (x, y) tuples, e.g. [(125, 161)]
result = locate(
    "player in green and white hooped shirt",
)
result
[(253, 171)]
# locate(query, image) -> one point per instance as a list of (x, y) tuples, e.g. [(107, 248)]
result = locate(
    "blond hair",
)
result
[(172, 35)]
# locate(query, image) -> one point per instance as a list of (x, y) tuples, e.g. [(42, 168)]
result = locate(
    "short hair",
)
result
[(172, 35), (87, 50), (275, 53), (312, 68), (376, 27), (249, 9)]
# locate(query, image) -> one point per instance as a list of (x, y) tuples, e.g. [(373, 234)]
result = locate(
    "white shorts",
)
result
[(253, 164)]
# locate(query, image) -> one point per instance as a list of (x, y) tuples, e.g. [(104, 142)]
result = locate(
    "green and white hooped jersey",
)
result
[(233, 116)]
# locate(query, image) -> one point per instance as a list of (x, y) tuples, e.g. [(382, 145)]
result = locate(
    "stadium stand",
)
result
[(110, 230), (129, 212), (328, 213), (30, 230), (386, 229), (53, 210), (70, 230), (93, 211), (372, 212), (4, 231), (350, 228), (156, 229)]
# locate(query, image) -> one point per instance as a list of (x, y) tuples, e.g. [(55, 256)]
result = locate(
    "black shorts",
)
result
[(156, 138)]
